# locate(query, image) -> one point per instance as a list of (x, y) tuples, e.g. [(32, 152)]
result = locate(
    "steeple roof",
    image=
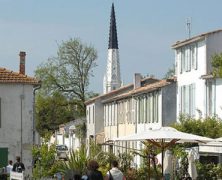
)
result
[(113, 42)]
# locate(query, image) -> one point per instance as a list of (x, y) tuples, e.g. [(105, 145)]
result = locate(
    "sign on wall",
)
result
[(16, 176)]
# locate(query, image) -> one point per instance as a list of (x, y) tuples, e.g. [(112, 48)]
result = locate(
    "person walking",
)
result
[(18, 166), (93, 173), (9, 167), (114, 173)]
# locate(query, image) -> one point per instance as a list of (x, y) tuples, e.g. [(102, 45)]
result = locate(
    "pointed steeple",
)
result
[(113, 42), (112, 78)]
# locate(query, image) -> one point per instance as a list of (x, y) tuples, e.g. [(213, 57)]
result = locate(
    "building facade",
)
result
[(198, 91), (17, 128), (147, 103)]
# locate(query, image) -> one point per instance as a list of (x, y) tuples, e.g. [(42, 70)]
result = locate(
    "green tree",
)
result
[(170, 73), (65, 80), (77, 161), (53, 111), (69, 71), (217, 65), (81, 131), (44, 159), (209, 127)]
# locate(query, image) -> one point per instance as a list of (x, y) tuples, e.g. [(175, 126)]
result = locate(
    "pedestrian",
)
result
[(93, 173), (18, 166), (114, 173), (9, 167)]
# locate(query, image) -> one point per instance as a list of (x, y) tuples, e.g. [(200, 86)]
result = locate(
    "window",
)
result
[(210, 98), (128, 110), (109, 114), (151, 108), (188, 58), (148, 108), (187, 99), (93, 114), (193, 57), (89, 115), (121, 114), (118, 113), (155, 106), (148, 114), (104, 115), (141, 113)]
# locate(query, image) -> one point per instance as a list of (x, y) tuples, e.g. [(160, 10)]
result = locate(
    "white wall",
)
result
[(90, 117), (17, 108), (219, 97), (193, 77), (214, 45)]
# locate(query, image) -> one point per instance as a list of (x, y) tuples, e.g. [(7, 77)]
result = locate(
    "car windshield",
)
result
[(62, 148)]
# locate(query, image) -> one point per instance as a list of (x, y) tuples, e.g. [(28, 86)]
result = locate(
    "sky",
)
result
[(146, 31)]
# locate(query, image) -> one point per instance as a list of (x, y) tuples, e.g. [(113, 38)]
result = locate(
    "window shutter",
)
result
[(0, 112)]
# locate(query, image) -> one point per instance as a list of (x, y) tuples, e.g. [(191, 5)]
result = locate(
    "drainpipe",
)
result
[(214, 96), (34, 113), (21, 117)]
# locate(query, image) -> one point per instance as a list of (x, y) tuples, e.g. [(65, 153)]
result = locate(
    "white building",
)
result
[(67, 135), (95, 114), (147, 103), (198, 91), (17, 128)]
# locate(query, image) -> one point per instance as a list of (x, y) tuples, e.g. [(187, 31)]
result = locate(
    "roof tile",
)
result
[(7, 76)]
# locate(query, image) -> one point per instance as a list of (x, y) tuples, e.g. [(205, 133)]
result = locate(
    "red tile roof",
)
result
[(147, 88), (150, 86), (121, 90), (7, 76)]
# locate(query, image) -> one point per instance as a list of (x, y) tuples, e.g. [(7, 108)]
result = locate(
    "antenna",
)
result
[(188, 26)]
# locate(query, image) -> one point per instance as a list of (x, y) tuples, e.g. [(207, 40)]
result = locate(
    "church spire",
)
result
[(112, 79), (113, 42)]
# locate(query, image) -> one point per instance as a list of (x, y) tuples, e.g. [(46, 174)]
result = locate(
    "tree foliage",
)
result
[(77, 161), (170, 73), (53, 111), (65, 81), (217, 65), (69, 71), (210, 127), (45, 163)]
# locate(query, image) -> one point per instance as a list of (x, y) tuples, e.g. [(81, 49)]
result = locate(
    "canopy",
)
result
[(166, 134), (164, 137), (214, 146)]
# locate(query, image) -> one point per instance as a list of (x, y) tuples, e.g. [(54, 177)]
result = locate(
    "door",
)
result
[(3, 157)]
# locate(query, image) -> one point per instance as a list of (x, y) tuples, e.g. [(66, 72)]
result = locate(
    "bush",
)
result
[(208, 171), (45, 164)]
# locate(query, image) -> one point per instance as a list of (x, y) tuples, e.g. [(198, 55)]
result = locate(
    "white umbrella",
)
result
[(164, 134), (192, 167), (164, 137)]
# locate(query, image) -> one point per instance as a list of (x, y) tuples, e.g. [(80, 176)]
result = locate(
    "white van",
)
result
[(62, 151)]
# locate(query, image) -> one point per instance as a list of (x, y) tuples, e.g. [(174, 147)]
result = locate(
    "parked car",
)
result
[(62, 152)]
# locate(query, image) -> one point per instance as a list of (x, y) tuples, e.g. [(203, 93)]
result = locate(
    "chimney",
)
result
[(22, 55), (137, 80)]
